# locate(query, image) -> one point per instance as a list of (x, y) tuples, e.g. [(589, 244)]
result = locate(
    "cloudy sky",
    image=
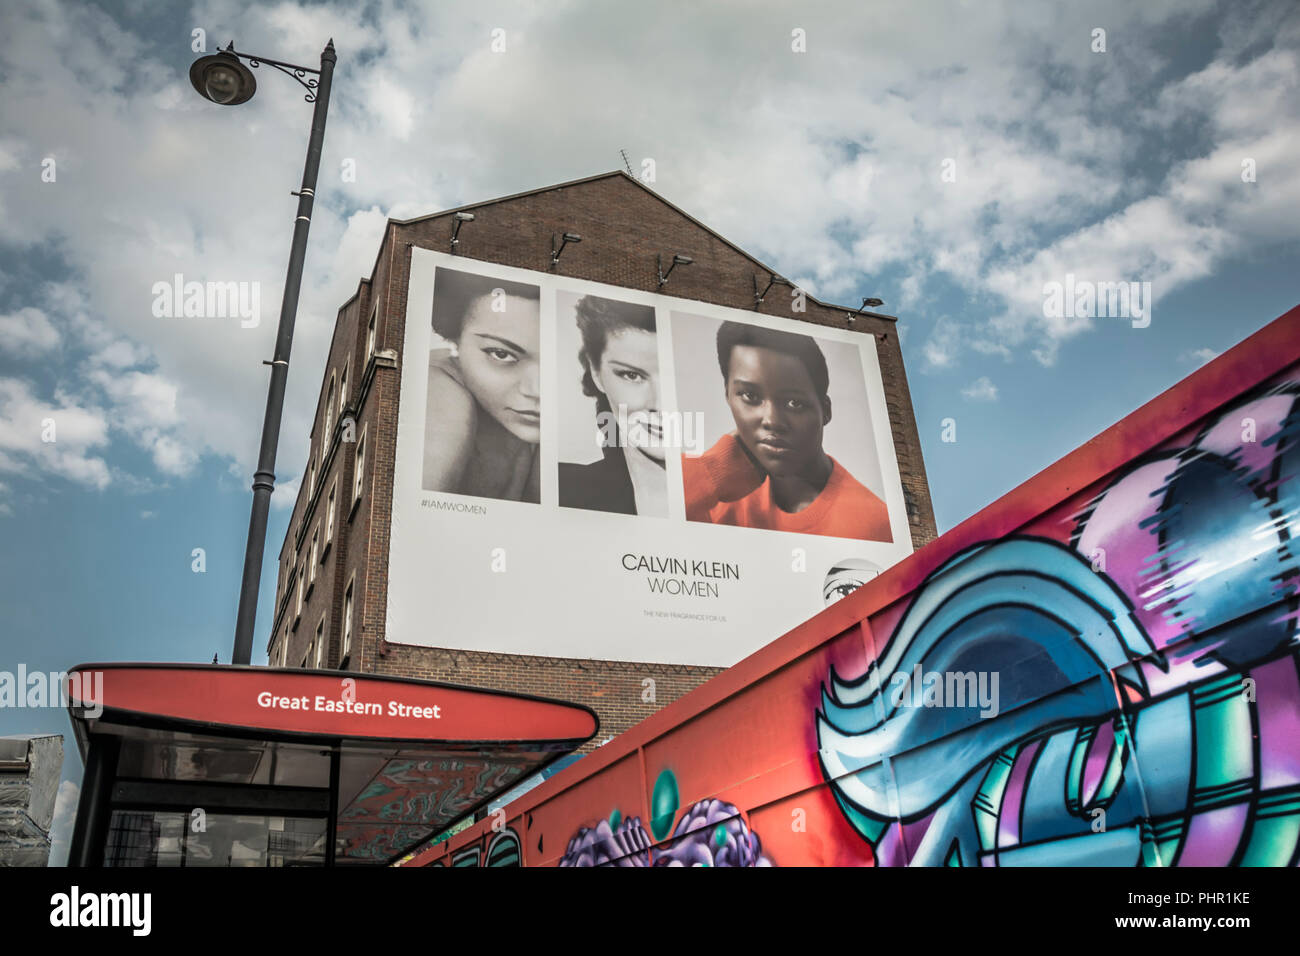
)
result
[(948, 157)]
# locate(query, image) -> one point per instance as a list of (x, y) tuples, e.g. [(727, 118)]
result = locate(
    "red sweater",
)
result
[(723, 487)]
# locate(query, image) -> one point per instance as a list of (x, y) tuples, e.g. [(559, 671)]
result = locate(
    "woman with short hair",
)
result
[(620, 370), (772, 471)]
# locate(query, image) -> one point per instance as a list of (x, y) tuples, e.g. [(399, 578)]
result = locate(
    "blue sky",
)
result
[(1116, 165)]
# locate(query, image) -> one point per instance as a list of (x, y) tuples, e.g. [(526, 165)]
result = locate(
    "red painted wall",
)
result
[(1132, 611)]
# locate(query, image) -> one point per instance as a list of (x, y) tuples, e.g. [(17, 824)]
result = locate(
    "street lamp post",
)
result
[(222, 78)]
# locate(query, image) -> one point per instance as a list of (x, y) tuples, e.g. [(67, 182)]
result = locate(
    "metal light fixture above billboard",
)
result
[(567, 238), (461, 219), (678, 260)]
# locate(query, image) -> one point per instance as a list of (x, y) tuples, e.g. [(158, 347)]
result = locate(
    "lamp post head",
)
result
[(221, 78)]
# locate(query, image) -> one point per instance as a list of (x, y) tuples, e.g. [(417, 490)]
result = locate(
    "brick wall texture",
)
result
[(334, 560)]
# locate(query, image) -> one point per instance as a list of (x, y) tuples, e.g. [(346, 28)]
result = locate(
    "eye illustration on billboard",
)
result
[(617, 370), (483, 420), (598, 472), (845, 577)]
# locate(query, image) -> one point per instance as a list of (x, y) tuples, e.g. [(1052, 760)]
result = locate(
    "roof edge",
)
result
[(674, 207)]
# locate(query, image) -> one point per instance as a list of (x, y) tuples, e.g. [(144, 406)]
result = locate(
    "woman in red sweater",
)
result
[(772, 472)]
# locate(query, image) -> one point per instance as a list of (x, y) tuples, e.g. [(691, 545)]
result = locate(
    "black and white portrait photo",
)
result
[(482, 429), (612, 443)]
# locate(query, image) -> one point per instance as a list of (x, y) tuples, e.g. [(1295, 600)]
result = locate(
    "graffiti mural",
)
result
[(709, 833), (1100, 668), (1148, 677), (407, 799), (496, 849)]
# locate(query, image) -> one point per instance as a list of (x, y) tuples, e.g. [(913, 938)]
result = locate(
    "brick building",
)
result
[(331, 596)]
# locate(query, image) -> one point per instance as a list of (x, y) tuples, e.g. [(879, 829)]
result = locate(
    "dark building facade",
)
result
[(331, 599)]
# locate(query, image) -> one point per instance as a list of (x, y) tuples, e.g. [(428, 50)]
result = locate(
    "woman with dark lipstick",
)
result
[(482, 424), (771, 472), (620, 370)]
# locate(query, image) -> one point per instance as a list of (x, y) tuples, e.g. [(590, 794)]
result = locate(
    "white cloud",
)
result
[(102, 397), (8, 157), (1199, 356), (285, 494), (827, 170), (28, 332), (980, 390), (60, 438), (144, 407), (944, 344)]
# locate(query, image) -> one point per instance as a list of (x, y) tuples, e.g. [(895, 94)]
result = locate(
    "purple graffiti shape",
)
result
[(628, 845), (712, 833)]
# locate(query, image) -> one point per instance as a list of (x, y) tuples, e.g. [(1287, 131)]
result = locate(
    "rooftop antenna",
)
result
[(628, 163)]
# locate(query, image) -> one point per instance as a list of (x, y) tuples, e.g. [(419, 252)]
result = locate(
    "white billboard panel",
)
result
[(590, 471)]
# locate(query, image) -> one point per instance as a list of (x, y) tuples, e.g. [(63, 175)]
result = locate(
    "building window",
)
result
[(343, 388), (318, 645), (370, 334), (315, 557), (311, 479), (328, 434), (347, 621), (360, 468), (329, 517), (302, 586)]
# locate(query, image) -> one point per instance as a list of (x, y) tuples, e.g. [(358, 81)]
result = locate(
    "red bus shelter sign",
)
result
[(343, 705)]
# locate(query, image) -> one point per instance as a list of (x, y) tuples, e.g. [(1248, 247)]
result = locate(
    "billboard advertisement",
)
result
[(584, 470)]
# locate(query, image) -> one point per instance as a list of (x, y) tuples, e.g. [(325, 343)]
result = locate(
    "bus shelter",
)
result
[(213, 765)]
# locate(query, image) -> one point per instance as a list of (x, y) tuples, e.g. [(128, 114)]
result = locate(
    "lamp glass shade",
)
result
[(221, 83), (222, 79)]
